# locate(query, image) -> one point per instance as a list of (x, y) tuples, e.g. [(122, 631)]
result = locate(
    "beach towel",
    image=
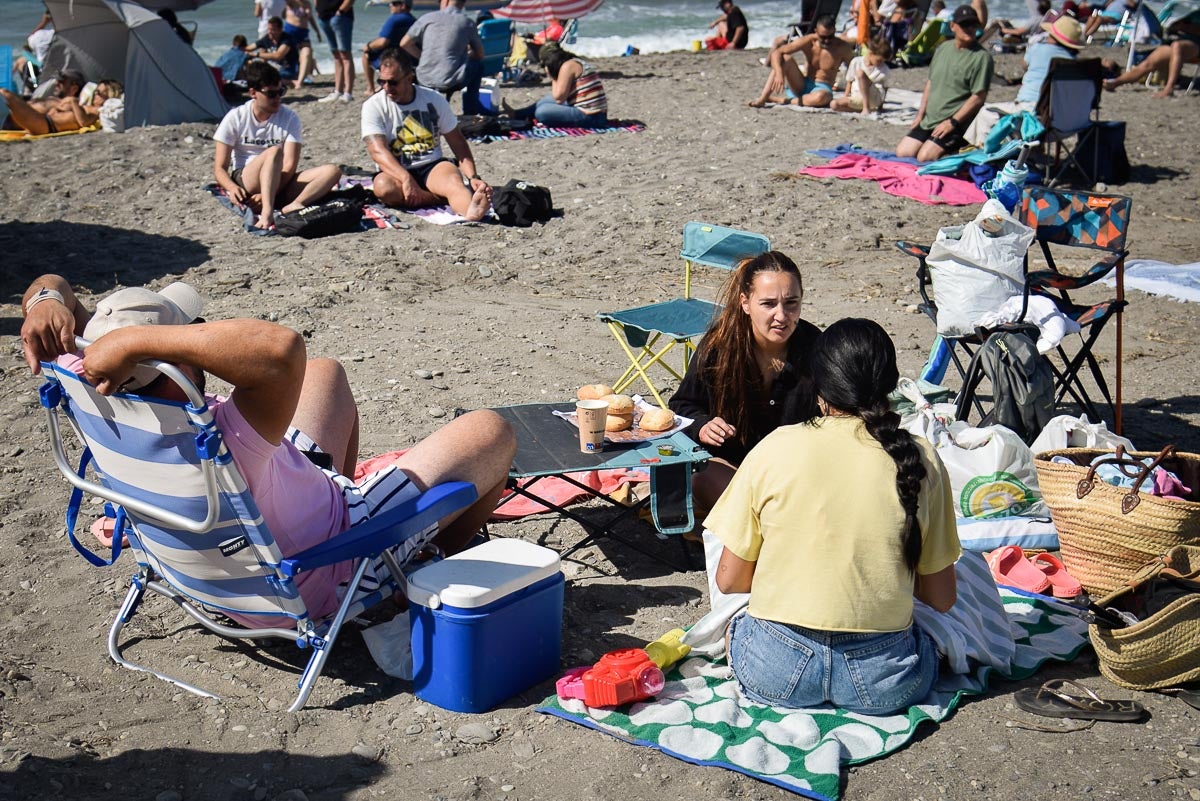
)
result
[(374, 214), (949, 165), (25, 136), (540, 131), (901, 180), (878, 155), (437, 215), (1178, 281), (900, 107), (700, 717)]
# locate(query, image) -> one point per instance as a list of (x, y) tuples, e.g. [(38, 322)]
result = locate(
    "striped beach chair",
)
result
[(195, 530)]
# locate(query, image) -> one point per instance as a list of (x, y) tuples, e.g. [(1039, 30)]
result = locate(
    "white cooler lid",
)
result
[(483, 574)]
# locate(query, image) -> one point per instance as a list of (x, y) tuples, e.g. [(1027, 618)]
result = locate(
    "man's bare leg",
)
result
[(328, 414), (930, 151), (908, 148), (446, 181), (24, 114), (306, 65), (817, 98), (368, 73), (477, 447), (1182, 52), (262, 177), (1159, 58), (309, 186), (389, 192)]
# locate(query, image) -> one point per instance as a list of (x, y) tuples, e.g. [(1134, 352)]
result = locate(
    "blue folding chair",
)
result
[(195, 529), (6, 68), (497, 44), (641, 331)]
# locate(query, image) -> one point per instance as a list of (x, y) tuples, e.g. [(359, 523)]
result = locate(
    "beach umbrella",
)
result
[(174, 5), (538, 11)]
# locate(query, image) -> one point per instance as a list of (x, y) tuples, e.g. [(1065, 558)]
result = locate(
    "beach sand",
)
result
[(508, 316)]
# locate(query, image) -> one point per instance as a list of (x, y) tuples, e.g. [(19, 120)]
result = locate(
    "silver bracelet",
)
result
[(44, 293)]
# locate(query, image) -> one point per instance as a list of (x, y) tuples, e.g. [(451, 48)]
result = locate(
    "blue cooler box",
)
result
[(486, 624)]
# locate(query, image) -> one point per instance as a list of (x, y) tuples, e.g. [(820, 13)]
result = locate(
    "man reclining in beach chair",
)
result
[(291, 424), (58, 114)]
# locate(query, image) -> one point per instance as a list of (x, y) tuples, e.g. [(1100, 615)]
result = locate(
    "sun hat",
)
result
[(1066, 31), (177, 304), (964, 16)]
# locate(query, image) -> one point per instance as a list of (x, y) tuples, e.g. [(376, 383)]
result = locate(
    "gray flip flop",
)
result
[(1053, 700)]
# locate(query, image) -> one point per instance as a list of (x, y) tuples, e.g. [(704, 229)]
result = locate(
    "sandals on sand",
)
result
[(1052, 700), (1009, 566), (1061, 582)]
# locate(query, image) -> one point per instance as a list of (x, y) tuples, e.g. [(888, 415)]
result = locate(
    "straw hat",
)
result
[(1065, 30)]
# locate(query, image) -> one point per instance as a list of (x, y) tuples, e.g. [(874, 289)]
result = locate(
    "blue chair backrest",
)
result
[(497, 44), (147, 449), (6, 68), (570, 32), (715, 246)]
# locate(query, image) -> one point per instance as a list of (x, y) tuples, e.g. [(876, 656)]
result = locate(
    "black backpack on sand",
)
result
[(521, 203), (332, 217)]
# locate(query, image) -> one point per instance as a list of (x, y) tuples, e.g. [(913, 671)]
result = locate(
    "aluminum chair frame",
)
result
[(363, 542)]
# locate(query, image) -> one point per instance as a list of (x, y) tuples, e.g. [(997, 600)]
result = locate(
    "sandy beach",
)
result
[(507, 315)]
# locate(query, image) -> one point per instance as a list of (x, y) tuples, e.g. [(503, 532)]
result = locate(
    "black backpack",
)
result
[(479, 126), (521, 203), (1022, 382), (332, 217)]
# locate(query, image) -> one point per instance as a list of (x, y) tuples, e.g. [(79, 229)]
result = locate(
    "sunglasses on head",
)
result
[(273, 93)]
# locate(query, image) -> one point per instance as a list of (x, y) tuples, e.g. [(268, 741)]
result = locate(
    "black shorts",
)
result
[(951, 144), (421, 174), (236, 175)]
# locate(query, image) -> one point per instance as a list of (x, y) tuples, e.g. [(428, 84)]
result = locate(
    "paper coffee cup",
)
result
[(591, 415)]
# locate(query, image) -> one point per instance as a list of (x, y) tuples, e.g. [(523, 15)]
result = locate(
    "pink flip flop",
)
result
[(1009, 566), (1061, 582)]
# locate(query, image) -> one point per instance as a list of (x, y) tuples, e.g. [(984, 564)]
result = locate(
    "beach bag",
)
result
[(1021, 379), (521, 203), (1105, 148), (324, 219), (477, 126), (974, 271), (1163, 648), (112, 115), (1108, 533), (1066, 431)]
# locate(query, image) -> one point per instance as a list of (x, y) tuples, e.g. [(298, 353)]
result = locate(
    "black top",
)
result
[(733, 20), (791, 400)]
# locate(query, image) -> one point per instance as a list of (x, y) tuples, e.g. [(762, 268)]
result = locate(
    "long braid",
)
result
[(884, 425)]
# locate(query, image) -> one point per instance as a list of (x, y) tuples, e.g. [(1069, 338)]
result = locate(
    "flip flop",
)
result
[(1009, 566), (1189, 697), (1052, 701), (1061, 582)]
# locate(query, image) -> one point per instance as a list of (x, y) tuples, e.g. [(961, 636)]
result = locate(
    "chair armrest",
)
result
[(912, 249), (385, 530), (1052, 279)]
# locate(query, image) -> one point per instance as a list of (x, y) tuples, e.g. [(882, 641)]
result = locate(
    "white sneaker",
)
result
[(347, 98), (329, 98)]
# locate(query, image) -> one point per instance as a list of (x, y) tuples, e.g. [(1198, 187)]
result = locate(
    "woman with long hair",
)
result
[(751, 373), (576, 98), (832, 527)]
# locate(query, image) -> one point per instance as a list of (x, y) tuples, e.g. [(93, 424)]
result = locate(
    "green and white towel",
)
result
[(700, 716)]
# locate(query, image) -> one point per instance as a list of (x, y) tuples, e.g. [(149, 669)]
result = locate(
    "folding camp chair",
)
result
[(640, 331), (1069, 106), (195, 530), (812, 10), (496, 35), (1081, 220)]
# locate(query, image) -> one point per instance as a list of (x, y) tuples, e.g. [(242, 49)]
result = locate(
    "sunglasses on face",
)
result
[(392, 82), (273, 93)]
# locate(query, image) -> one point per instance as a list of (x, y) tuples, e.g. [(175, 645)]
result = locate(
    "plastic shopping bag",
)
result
[(974, 270), (991, 472), (1065, 431)]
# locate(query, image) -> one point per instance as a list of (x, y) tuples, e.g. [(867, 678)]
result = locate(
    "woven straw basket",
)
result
[(1108, 533), (1163, 650)]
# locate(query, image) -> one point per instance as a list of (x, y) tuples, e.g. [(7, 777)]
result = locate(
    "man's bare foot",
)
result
[(481, 203), (1167, 91)]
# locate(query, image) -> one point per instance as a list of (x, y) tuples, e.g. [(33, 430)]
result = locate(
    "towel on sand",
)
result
[(540, 131), (1178, 281), (901, 180), (900, 107)]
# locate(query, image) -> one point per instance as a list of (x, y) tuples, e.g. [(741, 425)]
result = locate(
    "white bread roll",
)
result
[(657, 419), (619, 404), (593, 391), (618, 422)]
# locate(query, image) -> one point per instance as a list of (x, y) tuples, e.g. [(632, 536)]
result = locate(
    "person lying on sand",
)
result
[(263, 139), (402, 127), (285, 415), (824, 53), (1170, 57), (60, 113)]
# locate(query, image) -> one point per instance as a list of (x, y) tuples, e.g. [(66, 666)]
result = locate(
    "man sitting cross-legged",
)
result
[(52, 115), (402, 127), (824, 54), (286, 415), (264, 139)]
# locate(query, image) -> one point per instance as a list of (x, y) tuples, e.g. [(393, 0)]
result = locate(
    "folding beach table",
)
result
[(549, 446)]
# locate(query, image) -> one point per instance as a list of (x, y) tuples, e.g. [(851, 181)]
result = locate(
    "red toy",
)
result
[(620, 677)]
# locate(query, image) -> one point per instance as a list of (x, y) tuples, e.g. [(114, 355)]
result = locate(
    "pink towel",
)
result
[(900, 179)]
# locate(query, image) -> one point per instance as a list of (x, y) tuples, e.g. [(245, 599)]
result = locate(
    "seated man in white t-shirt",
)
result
[(402, 127), (264, 139)]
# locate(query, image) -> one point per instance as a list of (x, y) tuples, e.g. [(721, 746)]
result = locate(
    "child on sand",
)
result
[(866, 77)]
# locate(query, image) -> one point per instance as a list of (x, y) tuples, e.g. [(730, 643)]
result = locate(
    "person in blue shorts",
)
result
[(337, 21), (393, 30), (824, 53)]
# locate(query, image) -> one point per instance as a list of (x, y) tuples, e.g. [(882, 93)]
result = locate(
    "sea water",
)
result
[(651, 26)]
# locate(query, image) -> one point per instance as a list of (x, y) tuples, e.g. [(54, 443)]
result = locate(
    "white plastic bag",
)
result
[(112, 115), (973, 272), (390, 644), (1065, 431), (991, 472), (926, 420)]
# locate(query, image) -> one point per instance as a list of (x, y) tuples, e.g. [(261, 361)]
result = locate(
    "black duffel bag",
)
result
[(521, 203), (332, 217)]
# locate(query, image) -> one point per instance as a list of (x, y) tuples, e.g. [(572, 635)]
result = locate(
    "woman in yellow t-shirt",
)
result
[(832, 526)]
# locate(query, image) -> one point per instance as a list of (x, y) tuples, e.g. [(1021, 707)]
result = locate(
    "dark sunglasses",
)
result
[(392, 82), (272, 93)]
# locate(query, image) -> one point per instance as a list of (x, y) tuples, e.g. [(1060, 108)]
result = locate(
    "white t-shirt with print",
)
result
[(413, 130), (879, 77), (248, 137)]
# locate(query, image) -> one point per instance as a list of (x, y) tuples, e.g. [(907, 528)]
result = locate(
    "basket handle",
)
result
[(1130, 467)]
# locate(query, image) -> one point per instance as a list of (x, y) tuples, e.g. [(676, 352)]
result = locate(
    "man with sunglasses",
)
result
[(53, 115), (263, 138), (403, 126), (824, 53)]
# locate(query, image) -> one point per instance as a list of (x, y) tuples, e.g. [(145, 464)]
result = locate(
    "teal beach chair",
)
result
[(648, 333), (196, 532)]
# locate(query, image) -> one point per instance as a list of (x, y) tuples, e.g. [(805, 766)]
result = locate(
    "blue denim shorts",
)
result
[(338, 31), (795, 667)]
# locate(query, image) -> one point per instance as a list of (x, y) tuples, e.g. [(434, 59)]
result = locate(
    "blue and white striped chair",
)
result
[(195, 530)]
